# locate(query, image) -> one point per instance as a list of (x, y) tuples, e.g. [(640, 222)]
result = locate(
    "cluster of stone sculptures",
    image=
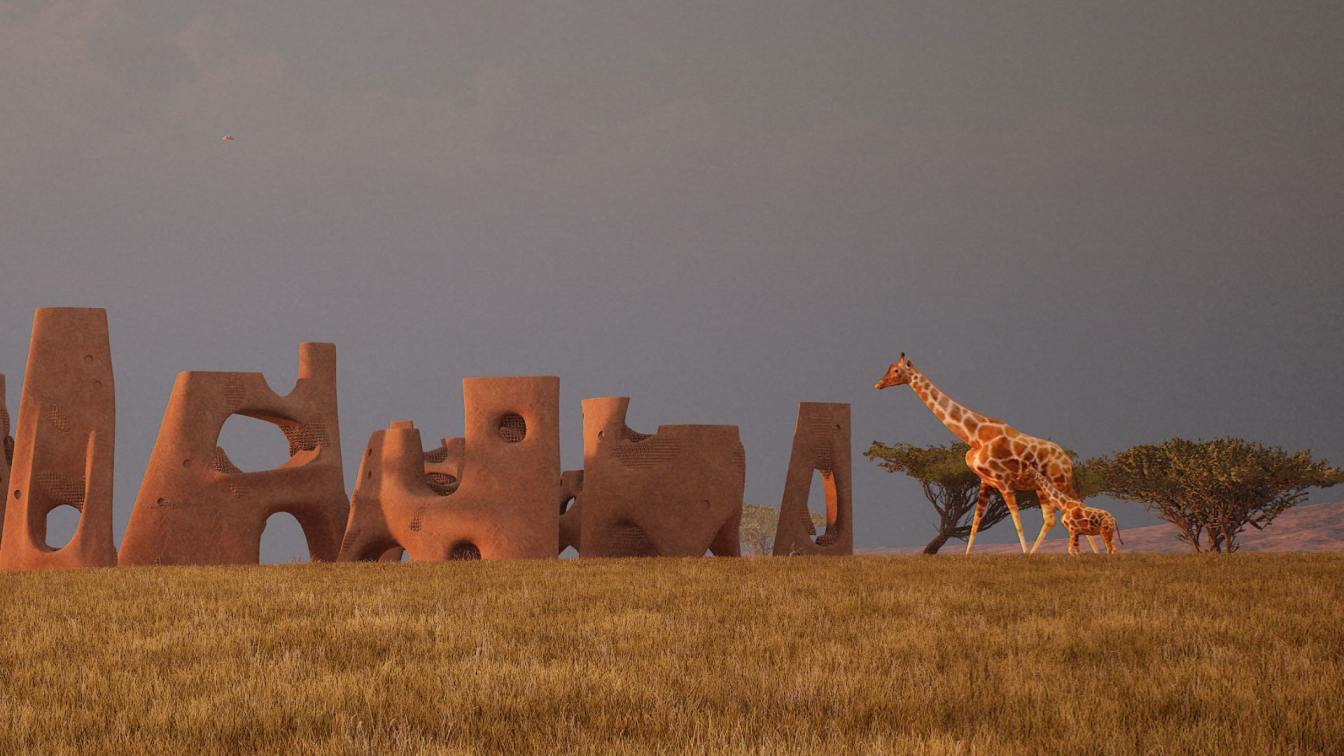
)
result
[(496, 493)]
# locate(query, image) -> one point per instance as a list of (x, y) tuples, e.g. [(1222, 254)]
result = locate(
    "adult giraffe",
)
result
[(1002, 457)]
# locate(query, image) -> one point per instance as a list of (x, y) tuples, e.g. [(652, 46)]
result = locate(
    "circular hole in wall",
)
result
[(512, 428)]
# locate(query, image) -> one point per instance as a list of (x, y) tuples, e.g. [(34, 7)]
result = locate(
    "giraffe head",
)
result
[(898, 374)]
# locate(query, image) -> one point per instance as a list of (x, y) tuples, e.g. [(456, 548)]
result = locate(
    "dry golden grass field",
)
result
[(1133, 654)]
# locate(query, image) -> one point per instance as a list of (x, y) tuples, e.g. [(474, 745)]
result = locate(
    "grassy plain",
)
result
[(1134, 654)]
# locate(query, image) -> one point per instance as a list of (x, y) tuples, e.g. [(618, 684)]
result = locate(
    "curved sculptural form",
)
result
[(63, 451), (6, 453), (677, 492), (489, 495), (196, 507), (820, 445)]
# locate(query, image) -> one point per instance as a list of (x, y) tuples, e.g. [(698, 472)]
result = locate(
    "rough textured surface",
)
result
[(820, 445), (489, 495), (1140, 654), (63, 452), (196, 507), (675, 493)]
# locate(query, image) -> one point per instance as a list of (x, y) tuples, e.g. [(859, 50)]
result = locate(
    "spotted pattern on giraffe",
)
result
[(1004, 458)]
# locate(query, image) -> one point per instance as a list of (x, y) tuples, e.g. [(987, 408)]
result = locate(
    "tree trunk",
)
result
[(937, 543)]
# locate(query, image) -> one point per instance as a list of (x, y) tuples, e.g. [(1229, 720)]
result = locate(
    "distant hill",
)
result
[(1316, 527)]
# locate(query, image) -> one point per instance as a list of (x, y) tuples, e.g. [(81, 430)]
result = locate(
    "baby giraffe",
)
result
[(1080, 520)]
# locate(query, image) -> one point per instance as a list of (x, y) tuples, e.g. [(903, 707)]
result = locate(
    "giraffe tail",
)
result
[(1118, 537)]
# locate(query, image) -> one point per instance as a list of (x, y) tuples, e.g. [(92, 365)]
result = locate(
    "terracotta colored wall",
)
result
[(821, 445), (6, 454), (196, 507), (63, 451), (497, 497), (677, 492)]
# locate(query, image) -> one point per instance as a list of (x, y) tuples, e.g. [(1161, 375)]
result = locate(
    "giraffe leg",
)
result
[(1010, 498), (1073, 543), (1047, 522), (1108, 536), (1093, 543), (981, 501)]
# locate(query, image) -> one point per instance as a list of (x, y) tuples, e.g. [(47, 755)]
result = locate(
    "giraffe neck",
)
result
[(948, 412), (1052, 496)]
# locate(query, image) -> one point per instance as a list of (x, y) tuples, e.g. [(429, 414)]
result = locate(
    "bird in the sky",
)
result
[(228, 137)]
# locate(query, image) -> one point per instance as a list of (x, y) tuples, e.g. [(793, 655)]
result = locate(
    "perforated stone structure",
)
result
[(489, 495), (677, 492), (821, 442), (62, 454), (196, 507)]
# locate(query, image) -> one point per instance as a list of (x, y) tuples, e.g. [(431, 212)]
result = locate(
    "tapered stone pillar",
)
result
[(64, 445), (821, 446)]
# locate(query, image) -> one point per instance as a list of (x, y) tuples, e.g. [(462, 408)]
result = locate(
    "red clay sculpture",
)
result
[(820, 444), (63, 451), (571, 486), (489, 495), (196, 507), (677, 492), (6, 453)]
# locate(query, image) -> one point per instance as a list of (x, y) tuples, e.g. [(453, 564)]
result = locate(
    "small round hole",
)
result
[(88, 359), (512, 428), (17, 493), (186, 463)]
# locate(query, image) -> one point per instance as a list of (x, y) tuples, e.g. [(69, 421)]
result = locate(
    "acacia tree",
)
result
[(948, 484), (1212, 490)]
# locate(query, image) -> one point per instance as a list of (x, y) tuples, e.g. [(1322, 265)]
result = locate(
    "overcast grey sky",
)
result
[(1107, 223)]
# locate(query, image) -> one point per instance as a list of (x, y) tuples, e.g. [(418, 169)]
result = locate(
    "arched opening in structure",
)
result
[(250, 445), (464, 552), (283, 540), (569, 553), (822, 507), (62, 521)]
